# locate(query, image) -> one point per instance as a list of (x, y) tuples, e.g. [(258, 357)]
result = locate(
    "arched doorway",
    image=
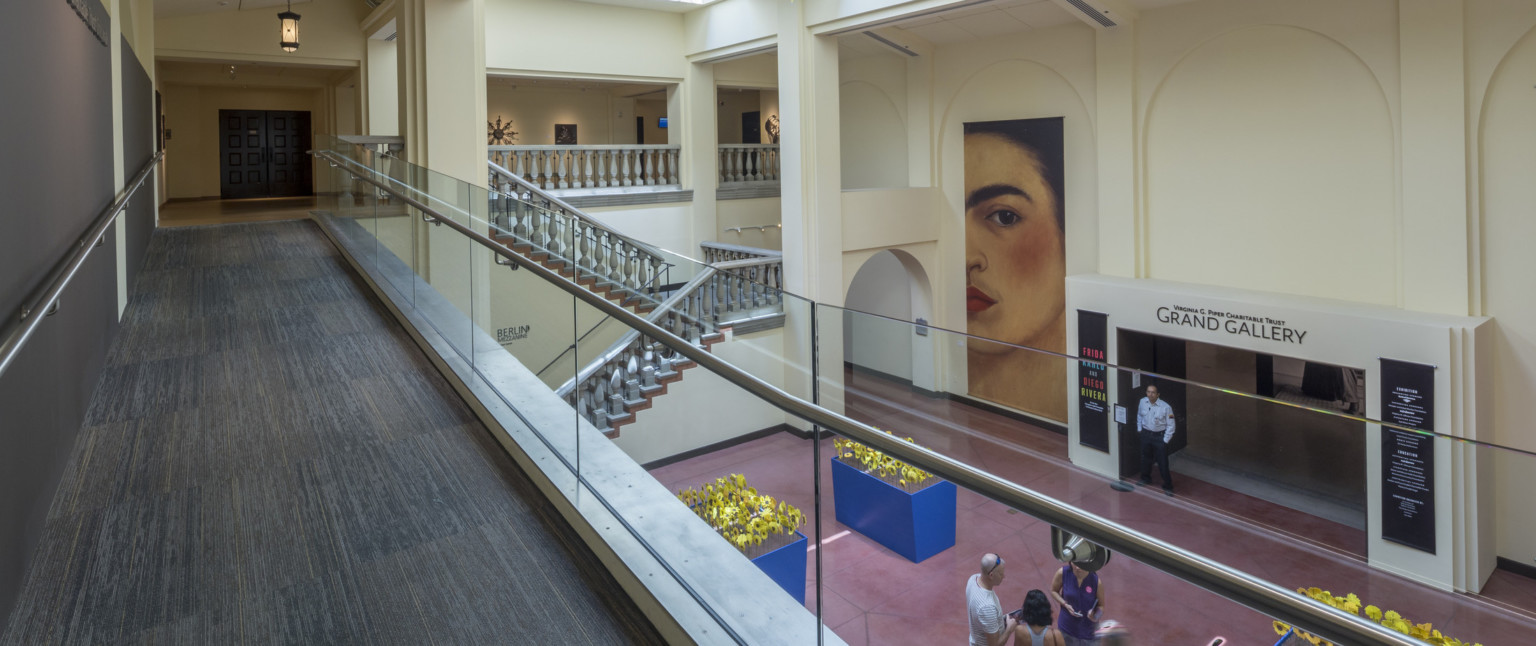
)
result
[(888, 292)]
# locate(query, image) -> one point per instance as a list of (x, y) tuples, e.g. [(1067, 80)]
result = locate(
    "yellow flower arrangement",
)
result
[(755, 523), (883, 466), (1351, 604)]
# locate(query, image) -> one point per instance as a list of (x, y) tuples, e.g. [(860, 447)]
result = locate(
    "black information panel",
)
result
[(1092, 376), (1408, 459)]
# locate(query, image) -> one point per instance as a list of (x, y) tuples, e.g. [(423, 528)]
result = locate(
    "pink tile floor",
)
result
[(871, 595)]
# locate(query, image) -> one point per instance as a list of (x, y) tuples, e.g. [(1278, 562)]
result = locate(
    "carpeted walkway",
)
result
[(270, 459)]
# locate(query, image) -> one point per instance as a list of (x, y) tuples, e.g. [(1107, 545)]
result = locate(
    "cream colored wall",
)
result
[(554, 37), (1501, 60), (662, 225), (730, 24), (1270, 148), (750, 213), (652, 111), (383, 88), (874, 133), (328, 35), (192, 114), (535, 110), (733, 103)]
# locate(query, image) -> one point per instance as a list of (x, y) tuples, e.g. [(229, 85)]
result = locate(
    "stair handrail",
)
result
[(1259, 595), (618, 347), (44, 300), (573, 211)]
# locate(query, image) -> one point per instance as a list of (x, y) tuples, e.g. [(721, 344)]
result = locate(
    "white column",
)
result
[(383, 83), (1121, 226), (441, 58), (811, 194), (692, 106)]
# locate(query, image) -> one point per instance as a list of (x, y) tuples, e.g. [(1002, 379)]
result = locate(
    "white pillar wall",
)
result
[(691, 111), (442, 99), (811, 193), (382, 78)]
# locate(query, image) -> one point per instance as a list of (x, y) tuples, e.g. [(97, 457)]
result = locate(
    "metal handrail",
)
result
[(573, 211), (45, 298), (1264, 597)]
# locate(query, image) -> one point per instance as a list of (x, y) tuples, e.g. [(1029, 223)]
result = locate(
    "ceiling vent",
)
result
[(1094, 13), (891, 43)]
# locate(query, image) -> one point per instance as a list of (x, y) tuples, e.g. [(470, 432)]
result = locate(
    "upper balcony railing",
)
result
[(746, 164), (601, 166)]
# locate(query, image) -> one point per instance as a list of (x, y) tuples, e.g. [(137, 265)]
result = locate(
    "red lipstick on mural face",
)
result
[(977, 300)]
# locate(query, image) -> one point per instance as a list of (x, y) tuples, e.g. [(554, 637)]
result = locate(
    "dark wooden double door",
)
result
[(262, 153)]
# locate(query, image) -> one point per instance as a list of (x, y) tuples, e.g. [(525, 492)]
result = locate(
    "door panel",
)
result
[(243, 171), (288, 139), (262, 153)]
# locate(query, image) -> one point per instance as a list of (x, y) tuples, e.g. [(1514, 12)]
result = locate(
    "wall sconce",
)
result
[(289, 23)]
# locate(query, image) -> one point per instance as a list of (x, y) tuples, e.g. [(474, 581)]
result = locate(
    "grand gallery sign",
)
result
[(1258, 327)]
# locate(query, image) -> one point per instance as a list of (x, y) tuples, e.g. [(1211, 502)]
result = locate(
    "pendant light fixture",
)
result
[(289, 22)]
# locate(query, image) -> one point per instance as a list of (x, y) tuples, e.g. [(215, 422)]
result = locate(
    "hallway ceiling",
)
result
[(246, 75), (169, 8)]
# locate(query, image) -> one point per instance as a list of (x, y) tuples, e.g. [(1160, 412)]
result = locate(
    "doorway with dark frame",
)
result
[(262, 153)]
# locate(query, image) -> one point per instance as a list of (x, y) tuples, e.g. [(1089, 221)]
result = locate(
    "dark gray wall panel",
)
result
[(138, 147), (56, 176)]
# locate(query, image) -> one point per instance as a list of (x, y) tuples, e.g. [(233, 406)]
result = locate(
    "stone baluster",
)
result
[(587, 234), (672, 169), (624, 169), (648, 367), (560, 229), (545, 159), (517, 161), (631, 372), (564, 181)]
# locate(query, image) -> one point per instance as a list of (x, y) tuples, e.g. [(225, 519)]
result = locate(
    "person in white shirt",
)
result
[(1154, 421), (989, 626)]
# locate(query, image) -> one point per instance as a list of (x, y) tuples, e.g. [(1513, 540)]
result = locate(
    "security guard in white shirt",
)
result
[(1154, 420)]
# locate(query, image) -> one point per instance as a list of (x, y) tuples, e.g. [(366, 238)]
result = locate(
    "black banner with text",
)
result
[(1408, 459), (1092, 377)]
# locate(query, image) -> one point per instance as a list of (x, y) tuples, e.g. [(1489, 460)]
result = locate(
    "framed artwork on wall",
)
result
[(565, 134)]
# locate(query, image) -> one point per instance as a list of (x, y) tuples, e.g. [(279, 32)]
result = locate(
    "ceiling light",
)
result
[(288, 22)]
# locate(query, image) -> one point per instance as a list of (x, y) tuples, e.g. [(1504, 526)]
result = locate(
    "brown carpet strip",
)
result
[(269, 459)]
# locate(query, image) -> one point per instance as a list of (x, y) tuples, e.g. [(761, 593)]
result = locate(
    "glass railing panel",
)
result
[(1274, 472)]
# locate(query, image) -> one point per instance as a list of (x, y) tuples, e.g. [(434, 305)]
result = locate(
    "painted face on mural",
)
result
[(1015, 260)]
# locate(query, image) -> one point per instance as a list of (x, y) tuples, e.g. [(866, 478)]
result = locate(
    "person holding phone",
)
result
[(1034, 626), (990, 626), (1081, 595)]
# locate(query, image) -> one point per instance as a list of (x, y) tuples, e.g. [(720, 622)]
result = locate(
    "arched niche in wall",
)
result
[(873, 137), (1505, 163), (1006, 90), (888, 292), (1270, 164)]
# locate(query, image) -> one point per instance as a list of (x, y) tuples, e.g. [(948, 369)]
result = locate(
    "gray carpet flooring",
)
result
[(269, 459)]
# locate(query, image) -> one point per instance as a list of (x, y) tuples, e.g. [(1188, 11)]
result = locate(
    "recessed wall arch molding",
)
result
[(1270, 162), (1162, 80), (1003, 90)]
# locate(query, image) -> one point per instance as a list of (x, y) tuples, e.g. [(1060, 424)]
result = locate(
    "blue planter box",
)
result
[(915, 525), (786, 566)]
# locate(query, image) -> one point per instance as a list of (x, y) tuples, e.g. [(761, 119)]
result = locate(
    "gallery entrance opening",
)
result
[(1282, 454)]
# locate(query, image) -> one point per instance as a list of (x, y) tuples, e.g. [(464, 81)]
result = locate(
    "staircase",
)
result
[(742, 289)]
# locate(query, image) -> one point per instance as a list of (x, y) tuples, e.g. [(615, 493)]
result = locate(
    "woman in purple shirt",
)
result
[(1081, 596)]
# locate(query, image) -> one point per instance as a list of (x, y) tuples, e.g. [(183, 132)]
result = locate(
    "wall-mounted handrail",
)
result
[(1257, 594), (20, 326)]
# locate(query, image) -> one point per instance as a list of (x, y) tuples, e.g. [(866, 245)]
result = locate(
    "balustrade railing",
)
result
[(717, 252), (750, 286), (609, 260), (749, 163), (391, 145), (619, 165)]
